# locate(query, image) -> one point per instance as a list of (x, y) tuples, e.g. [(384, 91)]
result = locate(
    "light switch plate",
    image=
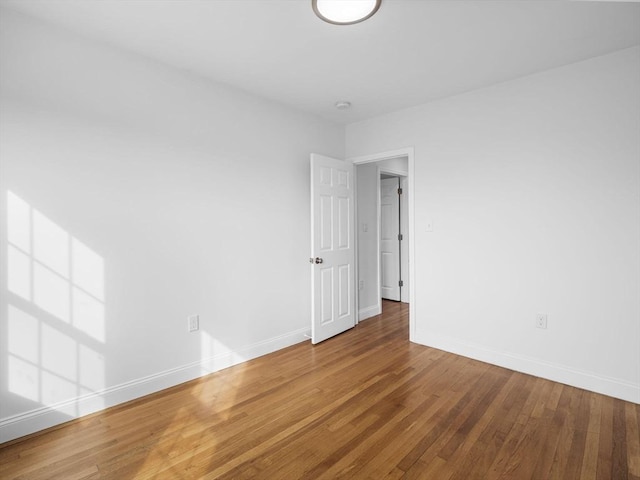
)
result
[(193, 323)]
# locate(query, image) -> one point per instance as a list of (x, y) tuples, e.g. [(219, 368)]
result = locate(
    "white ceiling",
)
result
[(410, 52)]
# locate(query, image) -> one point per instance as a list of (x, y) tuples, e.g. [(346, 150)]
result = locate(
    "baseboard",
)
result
[(612, 387), (49, 416), (369, 312)]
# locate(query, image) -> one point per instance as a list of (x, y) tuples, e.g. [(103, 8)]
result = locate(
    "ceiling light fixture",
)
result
[(345, 12), (343, 105)]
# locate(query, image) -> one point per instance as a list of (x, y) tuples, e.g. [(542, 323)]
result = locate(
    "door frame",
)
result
[(376, 157)]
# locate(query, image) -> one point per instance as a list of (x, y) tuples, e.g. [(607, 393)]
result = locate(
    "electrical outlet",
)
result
[(361, 284), (541, 320), (193, 322)]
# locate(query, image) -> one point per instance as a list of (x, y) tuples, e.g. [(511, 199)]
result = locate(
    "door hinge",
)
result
[(401, 283), (399, 191), (400, 237)]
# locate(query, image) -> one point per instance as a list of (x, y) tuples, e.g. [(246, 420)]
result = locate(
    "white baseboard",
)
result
[(612, 387), (369, 312), (48, 416)]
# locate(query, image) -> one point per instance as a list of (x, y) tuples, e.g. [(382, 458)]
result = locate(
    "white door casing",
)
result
[(409, 203), (332, 247), (404, 245), (389, 242)]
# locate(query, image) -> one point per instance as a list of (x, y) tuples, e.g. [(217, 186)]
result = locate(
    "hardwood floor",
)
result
[(364, 405)]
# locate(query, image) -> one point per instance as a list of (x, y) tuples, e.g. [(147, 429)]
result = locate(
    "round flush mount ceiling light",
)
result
[(343, 105), (345, 12)]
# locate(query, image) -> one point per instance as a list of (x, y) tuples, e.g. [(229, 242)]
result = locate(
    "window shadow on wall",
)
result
[(55, 314)]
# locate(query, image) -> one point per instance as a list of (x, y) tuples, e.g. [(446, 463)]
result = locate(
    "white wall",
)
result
[(133, 195), (533, 188), (368, 191)]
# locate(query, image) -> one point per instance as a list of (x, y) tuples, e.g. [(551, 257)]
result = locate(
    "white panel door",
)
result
[(332, 247), (389, 241)]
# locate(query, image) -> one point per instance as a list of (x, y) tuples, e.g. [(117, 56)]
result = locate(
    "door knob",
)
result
[(315, 260)]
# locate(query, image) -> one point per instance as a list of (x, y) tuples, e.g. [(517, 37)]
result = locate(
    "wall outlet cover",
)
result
[(541, 320)]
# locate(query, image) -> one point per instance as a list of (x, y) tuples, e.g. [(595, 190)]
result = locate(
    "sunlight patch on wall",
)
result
[(19, 281), (215, 355), (51, 292), (50, 245), (56, 318), (24, 356)]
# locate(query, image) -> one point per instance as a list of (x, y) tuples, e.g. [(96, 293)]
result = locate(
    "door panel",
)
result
[(344, 216), (388, 266), (344, 275), (326, 294), (326, 222), (332, 241)]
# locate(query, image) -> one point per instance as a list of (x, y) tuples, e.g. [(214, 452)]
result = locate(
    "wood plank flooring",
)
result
[(364, 405)]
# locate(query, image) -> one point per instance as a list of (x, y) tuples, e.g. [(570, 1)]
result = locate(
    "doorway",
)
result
[(369, 270)]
